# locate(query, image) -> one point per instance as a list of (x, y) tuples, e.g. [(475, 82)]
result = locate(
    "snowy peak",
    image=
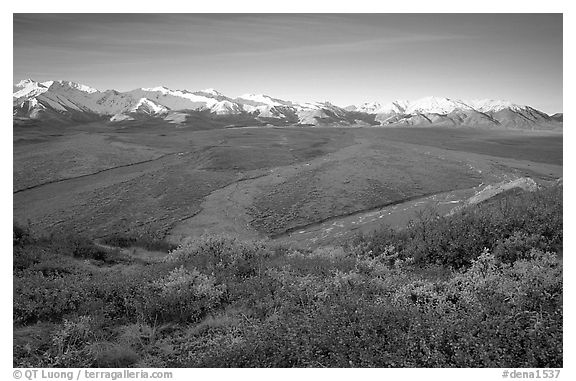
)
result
[(207, 99), (311, 105), (226, 108), (148, 107), (212, 92), (397, 107), (29, 88), (320, 106), (433, 105), (26, 82), (455, 112), (161, 89), (438, 105), (491, 105), (368, 107), (31, 84), (166, 91), (176, 99), (71, 85), (261, 99)]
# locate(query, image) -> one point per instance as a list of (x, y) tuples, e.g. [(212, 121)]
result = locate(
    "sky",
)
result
[(342, 58)]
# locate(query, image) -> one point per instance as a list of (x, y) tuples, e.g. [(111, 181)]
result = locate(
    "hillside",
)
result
[(481, 288)]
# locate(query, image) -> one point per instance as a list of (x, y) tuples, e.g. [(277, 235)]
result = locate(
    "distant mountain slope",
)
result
[(70, 102), (558, 117), (449, 112)]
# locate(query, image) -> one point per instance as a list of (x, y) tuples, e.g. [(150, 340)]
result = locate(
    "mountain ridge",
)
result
[(66, 101)]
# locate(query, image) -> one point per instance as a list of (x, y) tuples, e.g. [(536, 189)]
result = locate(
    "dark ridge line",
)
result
[(93, 173), (250, 178), (332, 218)]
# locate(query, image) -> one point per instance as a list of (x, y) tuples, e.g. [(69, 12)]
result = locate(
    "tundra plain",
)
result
[(301, 185)]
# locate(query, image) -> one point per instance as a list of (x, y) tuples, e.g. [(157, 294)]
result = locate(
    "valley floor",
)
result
[(297, 185)]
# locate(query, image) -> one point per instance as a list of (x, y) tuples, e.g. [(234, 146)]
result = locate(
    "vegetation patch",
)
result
[(148, 241), (482, 288)]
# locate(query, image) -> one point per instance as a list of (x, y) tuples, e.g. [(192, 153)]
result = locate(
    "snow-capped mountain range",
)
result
[(70, 102)]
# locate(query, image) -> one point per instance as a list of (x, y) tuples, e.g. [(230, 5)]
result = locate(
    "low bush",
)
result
[(38, 297), (183, 296), (20, 235), (224, 257), (484, 317), (514, 223)]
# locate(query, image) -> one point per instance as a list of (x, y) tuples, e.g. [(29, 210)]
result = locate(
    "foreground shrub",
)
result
[(71, 344), (38, 297), (492, 315), (183, 295), (20, 235), (514, 223), (112, 355), (518, 246), (223, 256)]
